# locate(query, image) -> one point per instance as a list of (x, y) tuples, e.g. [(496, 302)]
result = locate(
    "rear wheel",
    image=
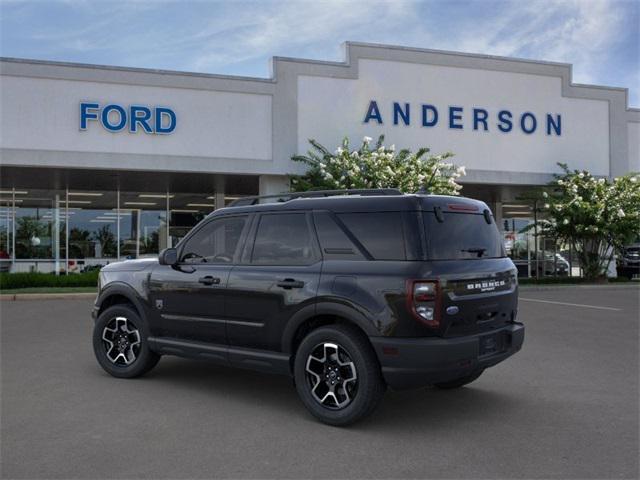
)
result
[(459, 382), (120, 343), (337, 375)]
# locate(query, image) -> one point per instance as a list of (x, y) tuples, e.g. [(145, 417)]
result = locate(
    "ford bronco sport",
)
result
[(348, 292)]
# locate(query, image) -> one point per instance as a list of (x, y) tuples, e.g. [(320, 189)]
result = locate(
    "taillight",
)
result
[(423, 300)]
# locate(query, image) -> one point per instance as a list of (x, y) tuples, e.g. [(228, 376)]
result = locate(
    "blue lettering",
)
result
[(105, 118), (425, 115), (523, 123), (170, 114), (399, 112), (505, 124), (139, 115), (455, 113), (480, 115), (557, 125), (373, 113), (85, 114)]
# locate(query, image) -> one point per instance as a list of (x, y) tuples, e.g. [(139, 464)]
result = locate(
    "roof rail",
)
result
[(285, 197)]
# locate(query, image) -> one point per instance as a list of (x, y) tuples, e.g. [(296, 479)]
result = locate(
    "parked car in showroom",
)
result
[(348, 292)]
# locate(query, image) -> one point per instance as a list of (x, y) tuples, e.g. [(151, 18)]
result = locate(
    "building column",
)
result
[(219, 192), (273, 184), (497, 214)]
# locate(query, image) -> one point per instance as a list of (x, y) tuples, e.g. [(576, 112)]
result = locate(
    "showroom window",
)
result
[(74, 230)]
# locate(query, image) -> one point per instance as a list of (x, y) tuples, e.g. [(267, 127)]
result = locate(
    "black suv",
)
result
[(347, 292)]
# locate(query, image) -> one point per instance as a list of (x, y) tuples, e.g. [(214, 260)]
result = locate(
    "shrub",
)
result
[(376, 167), (32, 279), (594, 215)]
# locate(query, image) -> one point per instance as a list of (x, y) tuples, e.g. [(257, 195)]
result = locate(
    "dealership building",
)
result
[(100, 162)]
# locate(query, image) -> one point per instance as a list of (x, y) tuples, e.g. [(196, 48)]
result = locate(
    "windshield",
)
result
[(462, 236)]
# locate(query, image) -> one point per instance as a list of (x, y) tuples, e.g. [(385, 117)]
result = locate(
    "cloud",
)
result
[(276, 27), (239, 37)]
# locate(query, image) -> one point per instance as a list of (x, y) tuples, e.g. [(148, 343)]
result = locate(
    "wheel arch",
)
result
[(321, 314), (119, 294)]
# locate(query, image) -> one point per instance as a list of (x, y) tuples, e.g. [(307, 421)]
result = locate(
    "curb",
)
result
[(47, 296), (608, 286)]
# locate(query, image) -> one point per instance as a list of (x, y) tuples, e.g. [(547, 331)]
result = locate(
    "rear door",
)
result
[(278, 276)]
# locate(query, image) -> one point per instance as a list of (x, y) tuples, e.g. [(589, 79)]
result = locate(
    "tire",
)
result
[(459, 382), (123, 352), (344, 356)]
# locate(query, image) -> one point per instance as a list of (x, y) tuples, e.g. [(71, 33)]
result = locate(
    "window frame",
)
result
[(247, 254), (206, 223)]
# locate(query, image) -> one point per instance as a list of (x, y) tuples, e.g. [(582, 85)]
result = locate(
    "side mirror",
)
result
[(168, 256)]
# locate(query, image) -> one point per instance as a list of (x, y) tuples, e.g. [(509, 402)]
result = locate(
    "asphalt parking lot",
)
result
[(566, 406)]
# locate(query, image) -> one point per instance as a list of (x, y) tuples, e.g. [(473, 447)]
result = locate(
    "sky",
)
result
[(600, 38)]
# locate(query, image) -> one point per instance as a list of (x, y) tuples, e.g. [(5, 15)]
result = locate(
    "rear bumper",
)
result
[(417, 362)]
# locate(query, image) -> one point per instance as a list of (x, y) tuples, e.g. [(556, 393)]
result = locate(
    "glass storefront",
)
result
[(533, 254), (67, 231)]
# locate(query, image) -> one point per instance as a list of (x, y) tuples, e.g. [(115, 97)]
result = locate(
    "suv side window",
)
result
[(381, 233), (283, 239), (216, 242)]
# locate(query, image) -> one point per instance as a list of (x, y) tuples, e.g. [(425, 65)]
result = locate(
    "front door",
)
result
[(188, 299), (278, 276)]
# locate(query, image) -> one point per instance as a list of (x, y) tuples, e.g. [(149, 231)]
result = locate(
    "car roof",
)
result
[(367, 203)]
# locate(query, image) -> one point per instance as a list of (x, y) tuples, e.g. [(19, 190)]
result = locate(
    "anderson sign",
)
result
[(461, 118)]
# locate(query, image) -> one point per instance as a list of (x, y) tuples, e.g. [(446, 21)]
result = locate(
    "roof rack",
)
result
[(285, 197)]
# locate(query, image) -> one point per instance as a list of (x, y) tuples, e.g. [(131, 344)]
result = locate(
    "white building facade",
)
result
[(100, 163)]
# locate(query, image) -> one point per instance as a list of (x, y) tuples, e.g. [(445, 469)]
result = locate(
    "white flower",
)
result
[(621, 213), (581, 175), (462, 170), (560, 182), (633, 179), (392, 148), (367, 140), (565, 221), (546, 205), (545, 195), (339, 151)]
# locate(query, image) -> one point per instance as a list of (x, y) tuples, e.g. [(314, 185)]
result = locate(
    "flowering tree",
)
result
[(376, 167), (596, 216)]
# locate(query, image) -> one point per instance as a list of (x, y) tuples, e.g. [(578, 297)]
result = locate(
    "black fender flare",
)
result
[(125, 290), (346, 312)]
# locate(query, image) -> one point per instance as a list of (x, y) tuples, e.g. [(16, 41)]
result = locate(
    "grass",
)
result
[(13, 291)]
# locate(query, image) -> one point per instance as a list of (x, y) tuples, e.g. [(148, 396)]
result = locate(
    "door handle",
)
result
[(209, 280), (289, 283)]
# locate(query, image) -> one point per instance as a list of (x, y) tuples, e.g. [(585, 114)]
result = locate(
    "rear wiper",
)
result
[(479, 251)]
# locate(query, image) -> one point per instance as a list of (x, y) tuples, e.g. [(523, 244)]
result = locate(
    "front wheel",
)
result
[(120, 343), (337, 375)]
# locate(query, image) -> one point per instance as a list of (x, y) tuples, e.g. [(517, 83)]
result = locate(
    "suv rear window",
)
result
[(462, 236)]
